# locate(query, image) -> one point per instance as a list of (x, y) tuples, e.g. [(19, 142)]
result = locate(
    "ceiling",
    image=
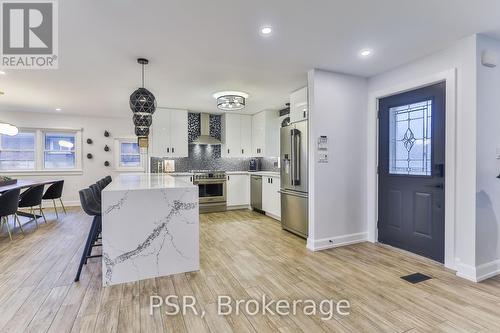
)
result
[(199, 47)]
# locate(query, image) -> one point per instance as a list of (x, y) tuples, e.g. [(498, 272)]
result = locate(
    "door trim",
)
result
[(449, 77)]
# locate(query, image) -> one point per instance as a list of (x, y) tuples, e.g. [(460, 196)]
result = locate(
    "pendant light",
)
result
[(143, 105)]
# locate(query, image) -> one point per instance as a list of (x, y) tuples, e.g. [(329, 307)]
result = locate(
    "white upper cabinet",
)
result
[(265, 134), (299, 107), (169, 133), (246, 135), (237, 131)]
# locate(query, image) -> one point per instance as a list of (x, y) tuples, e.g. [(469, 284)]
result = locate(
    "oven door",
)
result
[(212, 190)]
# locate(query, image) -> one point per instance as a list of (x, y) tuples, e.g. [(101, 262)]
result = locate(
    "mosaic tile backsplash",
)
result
[(203, 157)]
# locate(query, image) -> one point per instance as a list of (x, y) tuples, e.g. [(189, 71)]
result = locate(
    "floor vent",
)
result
[(416, 278)]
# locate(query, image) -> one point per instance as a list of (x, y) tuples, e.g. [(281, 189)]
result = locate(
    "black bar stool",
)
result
[(8, 206), (92, 208), (31, 198), (54, 192)]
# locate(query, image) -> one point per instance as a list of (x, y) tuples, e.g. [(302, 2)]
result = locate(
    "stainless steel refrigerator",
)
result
[(294, 181)]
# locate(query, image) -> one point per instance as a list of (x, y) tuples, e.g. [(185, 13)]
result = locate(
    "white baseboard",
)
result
[(273, 216), (479, 273), (328, 243), (70, 203), (238, 207)]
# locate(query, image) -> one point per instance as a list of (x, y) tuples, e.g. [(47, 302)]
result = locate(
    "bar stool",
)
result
[(31, 198), (8, 206), (54, 192), (92, 208)]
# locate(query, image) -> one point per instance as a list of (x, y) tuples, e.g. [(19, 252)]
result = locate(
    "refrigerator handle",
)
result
[(292, 159), (296, 153)]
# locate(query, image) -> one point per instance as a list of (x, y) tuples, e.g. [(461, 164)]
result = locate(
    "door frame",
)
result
[(449, 77)]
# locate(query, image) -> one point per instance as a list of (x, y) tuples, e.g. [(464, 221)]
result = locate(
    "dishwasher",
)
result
[(256, 192)]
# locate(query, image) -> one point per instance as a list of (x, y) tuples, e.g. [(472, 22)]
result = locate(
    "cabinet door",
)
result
[(258, 134), (246, 135), (187, 179), (267, 194), (238, 190), (178, 133), (298, 105), (232, 142), (276, 197), (160, 134)]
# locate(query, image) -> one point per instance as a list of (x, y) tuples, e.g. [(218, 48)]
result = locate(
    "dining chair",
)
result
[(8, 206), (32, 198), (54, 192)]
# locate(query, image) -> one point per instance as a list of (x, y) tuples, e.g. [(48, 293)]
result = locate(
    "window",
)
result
[(17, 152), (127, 154), (410, 135), (59, 152), (38, 150)]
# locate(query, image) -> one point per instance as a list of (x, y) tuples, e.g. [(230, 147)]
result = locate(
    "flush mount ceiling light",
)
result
[(266, 30), (365, 53), (230, 100), (143, 105), (8, 129)]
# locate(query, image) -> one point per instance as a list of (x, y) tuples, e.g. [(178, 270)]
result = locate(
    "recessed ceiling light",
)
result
[(58, 109), (365, 52), (266, 30), (2, 73)]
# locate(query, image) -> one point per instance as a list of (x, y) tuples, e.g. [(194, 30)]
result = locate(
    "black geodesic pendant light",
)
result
[(143, 105)]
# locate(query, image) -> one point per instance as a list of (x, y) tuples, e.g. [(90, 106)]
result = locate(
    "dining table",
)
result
[(23, 184)]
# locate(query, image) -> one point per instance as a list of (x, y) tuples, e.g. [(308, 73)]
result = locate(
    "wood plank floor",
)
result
[(244, 255)]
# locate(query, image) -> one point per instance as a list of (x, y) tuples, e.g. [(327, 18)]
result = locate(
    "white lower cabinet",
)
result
[(238, 190), (187, 179), (271, 198)]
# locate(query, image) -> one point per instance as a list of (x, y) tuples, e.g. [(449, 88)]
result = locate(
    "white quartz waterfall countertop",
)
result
[(146, 181), (150, 227)]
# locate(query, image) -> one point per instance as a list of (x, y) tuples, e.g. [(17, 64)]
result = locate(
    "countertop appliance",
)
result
[(256, 192), (254, 164), (294, 181), (212, 190)]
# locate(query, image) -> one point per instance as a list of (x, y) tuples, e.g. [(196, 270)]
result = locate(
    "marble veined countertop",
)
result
[(145, 181)]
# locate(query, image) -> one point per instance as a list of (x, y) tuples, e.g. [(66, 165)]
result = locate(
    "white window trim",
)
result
[(118, 167), (40, 149)]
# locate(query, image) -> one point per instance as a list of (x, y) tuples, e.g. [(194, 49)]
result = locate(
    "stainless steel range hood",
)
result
[(205, 138)]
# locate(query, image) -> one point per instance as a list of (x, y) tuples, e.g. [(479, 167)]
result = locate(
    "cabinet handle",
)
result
[(271, 180), (168, 150), (228, 151), (191, 179), (227, 177), (173, 150), (243, 151), (304, 115)]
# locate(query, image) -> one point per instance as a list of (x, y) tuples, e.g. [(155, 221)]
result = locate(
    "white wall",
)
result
[(462, 57), (337, 189), (487, 164), (93, 127)]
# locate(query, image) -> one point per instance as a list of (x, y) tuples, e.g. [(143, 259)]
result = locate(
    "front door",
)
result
[(411, 171)]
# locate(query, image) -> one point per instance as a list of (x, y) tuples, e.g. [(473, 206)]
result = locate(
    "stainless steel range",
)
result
[(212, 187)]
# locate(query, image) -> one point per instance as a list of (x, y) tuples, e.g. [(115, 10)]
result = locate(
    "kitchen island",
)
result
[(150, 227)]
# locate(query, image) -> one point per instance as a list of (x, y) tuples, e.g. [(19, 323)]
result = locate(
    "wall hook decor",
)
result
[(106, 148), (106, 134), (106, 163), (89, 141), (89, 156)]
